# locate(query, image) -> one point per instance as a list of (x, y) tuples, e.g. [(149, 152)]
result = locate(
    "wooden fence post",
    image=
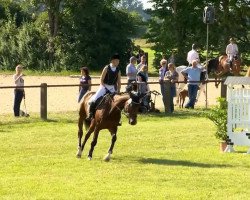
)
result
[(223, 90), (43, 108), (168, 99)]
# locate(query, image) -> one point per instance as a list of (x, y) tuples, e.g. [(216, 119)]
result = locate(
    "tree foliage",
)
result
[(176, 24), (70, 33)]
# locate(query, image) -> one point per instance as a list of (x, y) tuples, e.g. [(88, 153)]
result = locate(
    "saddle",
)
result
[(101, 101)]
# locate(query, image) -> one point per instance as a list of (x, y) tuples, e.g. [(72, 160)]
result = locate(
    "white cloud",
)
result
[(146, 4)]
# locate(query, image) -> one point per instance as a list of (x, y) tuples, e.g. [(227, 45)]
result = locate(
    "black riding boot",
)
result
[(91, 111)]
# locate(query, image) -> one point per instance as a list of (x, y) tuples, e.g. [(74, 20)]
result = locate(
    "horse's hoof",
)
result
[(78, 155), (89, 158), (107, 158)]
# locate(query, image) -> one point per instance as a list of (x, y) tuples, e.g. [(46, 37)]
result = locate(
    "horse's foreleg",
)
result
[(93, 143), (216, 81), (80, 133), (110, 151), (81, 147)]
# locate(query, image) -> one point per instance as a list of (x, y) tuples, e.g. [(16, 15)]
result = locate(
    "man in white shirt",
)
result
[(232, 51), (193, 55)]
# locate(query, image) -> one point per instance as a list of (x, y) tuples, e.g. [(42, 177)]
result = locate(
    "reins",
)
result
[(122, 110)]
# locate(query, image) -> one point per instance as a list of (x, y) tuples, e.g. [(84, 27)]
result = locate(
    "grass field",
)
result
[(162, 157)]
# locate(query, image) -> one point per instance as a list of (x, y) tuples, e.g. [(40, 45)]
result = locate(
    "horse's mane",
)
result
[(119, 101), (121, 97)]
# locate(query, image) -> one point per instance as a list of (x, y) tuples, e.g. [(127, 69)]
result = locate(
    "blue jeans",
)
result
[(192, 93)]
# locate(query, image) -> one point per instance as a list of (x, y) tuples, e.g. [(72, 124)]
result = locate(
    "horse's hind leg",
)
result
[(93, 143), (113, 140)]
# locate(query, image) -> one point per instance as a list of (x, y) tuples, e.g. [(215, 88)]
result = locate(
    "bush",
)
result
[(218, 115)]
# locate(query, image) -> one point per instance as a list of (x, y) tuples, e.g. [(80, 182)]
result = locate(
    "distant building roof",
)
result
[(237, 80)]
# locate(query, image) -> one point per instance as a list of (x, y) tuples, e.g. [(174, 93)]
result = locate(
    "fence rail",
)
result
[(43, 92)]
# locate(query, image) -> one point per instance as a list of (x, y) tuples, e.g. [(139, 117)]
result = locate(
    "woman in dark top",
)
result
[(84, 80)]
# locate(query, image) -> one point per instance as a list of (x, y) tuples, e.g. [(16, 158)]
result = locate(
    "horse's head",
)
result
[(132, 106), (212, 65)]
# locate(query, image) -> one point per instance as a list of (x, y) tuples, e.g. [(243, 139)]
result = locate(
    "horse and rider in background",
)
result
[(226, 65), (221, 67)]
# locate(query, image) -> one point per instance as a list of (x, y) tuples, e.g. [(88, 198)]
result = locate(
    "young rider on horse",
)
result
[(110, 82), (232, 51)]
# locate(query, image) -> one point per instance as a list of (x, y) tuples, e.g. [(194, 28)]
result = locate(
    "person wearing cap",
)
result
[(193, 55), (131, 70), (85, 82), (232, 51), (110, 82), (19, 93), (162, 71)]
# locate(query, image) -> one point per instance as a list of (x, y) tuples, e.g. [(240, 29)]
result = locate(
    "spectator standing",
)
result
[(193, 55), (85, 82), (131, 70), (172, 75), (162, 71), (143, 85), (19, 93), (142, 63), (192, 74)]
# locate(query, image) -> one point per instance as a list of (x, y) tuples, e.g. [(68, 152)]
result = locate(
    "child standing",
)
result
[(19, 93), (84, 80)]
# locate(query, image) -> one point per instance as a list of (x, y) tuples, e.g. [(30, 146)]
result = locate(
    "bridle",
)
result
[(130, 103)]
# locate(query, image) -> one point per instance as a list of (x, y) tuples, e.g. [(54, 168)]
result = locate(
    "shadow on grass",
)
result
[(31, 120), (183, 163), (180, 113)]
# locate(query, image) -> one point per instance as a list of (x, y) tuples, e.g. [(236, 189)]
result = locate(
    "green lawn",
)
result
[(162, 157)]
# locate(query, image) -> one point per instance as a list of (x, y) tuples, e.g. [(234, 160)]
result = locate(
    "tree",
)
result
[(176, 24), (133, 6), (92, 31)]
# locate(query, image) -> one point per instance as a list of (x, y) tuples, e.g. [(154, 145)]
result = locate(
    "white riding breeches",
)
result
[(102, 90)]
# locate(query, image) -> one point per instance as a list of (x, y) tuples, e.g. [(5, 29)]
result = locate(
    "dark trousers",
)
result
[(164, 93), (81, 94), (172, 95), (192, 93), (17, 101)]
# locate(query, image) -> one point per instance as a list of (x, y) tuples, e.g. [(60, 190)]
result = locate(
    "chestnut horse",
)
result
[(221, 67), (107, 116)]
